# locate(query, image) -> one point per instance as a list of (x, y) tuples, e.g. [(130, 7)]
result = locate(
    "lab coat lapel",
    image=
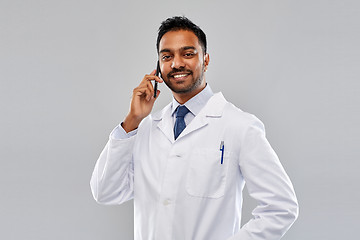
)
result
[(164, 122), (213, 108)]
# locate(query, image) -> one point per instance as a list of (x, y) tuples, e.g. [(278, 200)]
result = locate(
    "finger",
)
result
[(142, 91), (152, 78), (153, 99), (158, 79), (157, 93), (148, 95), (139, 91), (150, 87), (145, 93), (147, 78)]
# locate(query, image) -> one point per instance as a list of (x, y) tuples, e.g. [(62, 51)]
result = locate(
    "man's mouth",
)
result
[(180, 75)]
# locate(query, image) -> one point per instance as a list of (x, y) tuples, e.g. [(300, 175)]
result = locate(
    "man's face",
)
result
[(182, 62)]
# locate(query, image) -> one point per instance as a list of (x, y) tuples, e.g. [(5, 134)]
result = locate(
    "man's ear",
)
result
[(206, 61)]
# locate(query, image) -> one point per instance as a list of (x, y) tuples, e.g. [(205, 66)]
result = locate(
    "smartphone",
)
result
[(157, 73)]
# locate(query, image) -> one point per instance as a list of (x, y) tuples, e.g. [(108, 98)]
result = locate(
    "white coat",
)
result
[(181, 189)]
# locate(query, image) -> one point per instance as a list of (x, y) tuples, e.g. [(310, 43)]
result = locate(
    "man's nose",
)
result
[(178, 62)]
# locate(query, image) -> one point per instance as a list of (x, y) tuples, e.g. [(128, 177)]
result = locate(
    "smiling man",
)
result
[(186, 166)]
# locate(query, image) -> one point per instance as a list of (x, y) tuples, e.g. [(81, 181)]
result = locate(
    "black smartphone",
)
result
[(157, 73)]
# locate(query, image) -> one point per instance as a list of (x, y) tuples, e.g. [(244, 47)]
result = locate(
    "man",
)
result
[(186, 166)]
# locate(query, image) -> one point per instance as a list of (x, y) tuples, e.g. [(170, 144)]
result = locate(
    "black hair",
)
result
[(181, 23)]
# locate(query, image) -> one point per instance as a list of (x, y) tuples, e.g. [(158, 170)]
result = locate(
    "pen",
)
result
[(222, 151)]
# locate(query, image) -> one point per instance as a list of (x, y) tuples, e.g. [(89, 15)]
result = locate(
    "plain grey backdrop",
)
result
[(67, 70)]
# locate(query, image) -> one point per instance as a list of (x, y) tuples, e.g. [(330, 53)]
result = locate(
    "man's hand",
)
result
[(142, 102)]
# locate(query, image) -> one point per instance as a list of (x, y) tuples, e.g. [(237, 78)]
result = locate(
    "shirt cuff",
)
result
[(119, 133)]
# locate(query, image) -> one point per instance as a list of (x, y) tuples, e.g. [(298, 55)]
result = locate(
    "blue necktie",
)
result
[(180, 125)]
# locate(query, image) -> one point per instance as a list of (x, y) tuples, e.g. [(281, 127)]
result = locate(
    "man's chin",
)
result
[(183, 86), (181, 89)]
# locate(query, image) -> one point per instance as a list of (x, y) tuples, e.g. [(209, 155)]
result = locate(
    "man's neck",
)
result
[(182, 98)]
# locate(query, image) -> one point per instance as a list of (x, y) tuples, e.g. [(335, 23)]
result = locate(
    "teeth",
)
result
[(180, 75)]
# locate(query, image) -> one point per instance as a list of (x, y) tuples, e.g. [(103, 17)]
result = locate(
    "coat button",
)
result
[(166, 202)]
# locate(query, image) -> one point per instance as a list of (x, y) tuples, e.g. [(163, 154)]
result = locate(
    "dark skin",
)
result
[(182, 64)]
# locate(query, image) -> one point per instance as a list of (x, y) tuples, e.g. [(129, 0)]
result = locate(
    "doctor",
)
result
[(186, 166)]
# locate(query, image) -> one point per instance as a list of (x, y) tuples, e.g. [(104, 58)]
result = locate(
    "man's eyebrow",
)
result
[(182, 49), (188, 47), (164, 50)]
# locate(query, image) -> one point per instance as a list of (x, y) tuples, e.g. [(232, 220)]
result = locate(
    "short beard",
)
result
[(193, 86)]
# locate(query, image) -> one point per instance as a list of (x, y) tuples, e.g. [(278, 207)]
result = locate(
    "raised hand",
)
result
[(142, 102)]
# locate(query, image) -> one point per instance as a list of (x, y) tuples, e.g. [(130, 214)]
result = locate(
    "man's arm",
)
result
[(113, 177), (268, 183)]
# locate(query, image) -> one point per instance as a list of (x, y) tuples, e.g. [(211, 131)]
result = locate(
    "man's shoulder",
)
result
[(237, 116), (230, 110)]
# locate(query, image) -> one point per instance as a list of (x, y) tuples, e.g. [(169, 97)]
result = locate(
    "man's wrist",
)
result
[(130, 123)]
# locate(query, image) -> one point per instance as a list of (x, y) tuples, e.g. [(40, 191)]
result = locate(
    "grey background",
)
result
[(67, 70)]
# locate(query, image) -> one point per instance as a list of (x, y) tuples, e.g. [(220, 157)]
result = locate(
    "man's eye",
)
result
[(164, 58), (189, 54)]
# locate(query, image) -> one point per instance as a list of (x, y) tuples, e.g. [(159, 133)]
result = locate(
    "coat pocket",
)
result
[(206, 174)]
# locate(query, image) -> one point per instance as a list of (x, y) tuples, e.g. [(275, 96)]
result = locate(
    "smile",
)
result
[(180, 75)]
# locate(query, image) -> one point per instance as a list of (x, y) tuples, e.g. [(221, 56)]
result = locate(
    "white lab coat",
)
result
[(180, 188)]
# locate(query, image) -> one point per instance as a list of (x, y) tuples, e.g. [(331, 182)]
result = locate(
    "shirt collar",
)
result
[(196, 103)]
